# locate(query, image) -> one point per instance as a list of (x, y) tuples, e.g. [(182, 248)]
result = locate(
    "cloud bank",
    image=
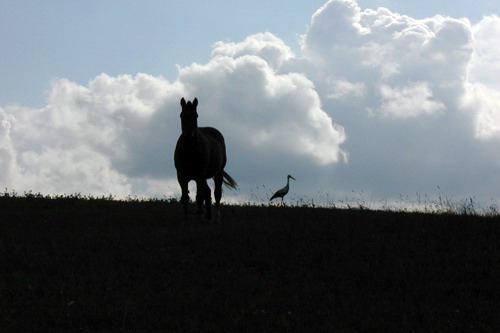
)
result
[(418, 99), (117, 134), (376, 101)]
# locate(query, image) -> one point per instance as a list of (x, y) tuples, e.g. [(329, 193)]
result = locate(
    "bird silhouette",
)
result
[(282, 192)]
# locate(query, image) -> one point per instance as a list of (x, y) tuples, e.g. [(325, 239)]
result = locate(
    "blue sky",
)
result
[(43, 40), (79, 40), (387, 102)]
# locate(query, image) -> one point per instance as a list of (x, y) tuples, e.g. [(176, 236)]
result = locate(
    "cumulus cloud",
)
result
[(117, 134), (392, 55), (264, 45), (413, 95), (8, 167), (409, 101), (340, 89), (262, 110), (483, 86), (92, 139), (485, 102)]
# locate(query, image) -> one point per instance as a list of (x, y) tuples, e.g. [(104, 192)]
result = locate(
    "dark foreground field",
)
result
[(105, 266)]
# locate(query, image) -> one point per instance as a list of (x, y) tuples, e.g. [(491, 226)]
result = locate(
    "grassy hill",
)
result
[(98, 265)]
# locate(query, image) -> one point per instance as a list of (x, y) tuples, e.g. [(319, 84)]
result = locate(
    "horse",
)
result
[(200, 154)]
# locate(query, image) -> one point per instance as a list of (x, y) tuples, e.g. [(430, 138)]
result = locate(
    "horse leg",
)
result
[(185, 194), (218, 194), (200, 196), (207, 197)]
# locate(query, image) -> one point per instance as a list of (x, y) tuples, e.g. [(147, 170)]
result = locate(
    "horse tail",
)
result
[(228, 180)]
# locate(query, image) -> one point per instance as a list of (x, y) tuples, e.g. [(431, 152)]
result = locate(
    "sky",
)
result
[(372, 100)]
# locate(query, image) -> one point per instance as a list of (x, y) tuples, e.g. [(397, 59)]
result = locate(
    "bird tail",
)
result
[(228, 180)]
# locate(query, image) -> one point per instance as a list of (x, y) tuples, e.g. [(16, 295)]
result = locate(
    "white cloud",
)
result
[(413, 103), (339, 89), (264, 45), (387, 53), (262, 110), (485, 103), (117, 134), (409, 101), (78, 170), (483, 89), (8, 165), (93, 139), (409, 129), (484, 65)]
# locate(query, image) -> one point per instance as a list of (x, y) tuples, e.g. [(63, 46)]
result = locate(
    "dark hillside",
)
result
[(70, 264)]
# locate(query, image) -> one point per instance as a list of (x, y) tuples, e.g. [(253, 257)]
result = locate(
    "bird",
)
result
[(282, 192)]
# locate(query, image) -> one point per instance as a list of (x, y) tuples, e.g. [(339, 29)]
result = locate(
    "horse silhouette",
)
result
[(200, 154)]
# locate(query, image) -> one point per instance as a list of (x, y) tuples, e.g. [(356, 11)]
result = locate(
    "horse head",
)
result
[(189, 118)]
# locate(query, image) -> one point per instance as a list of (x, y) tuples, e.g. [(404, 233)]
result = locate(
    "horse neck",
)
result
[(192, 139)]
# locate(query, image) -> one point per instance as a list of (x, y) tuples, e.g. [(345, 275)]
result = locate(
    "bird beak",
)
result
[(293, 178)]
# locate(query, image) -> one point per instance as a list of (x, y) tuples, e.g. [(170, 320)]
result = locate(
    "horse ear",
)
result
[(195, 102), (183, 102)]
